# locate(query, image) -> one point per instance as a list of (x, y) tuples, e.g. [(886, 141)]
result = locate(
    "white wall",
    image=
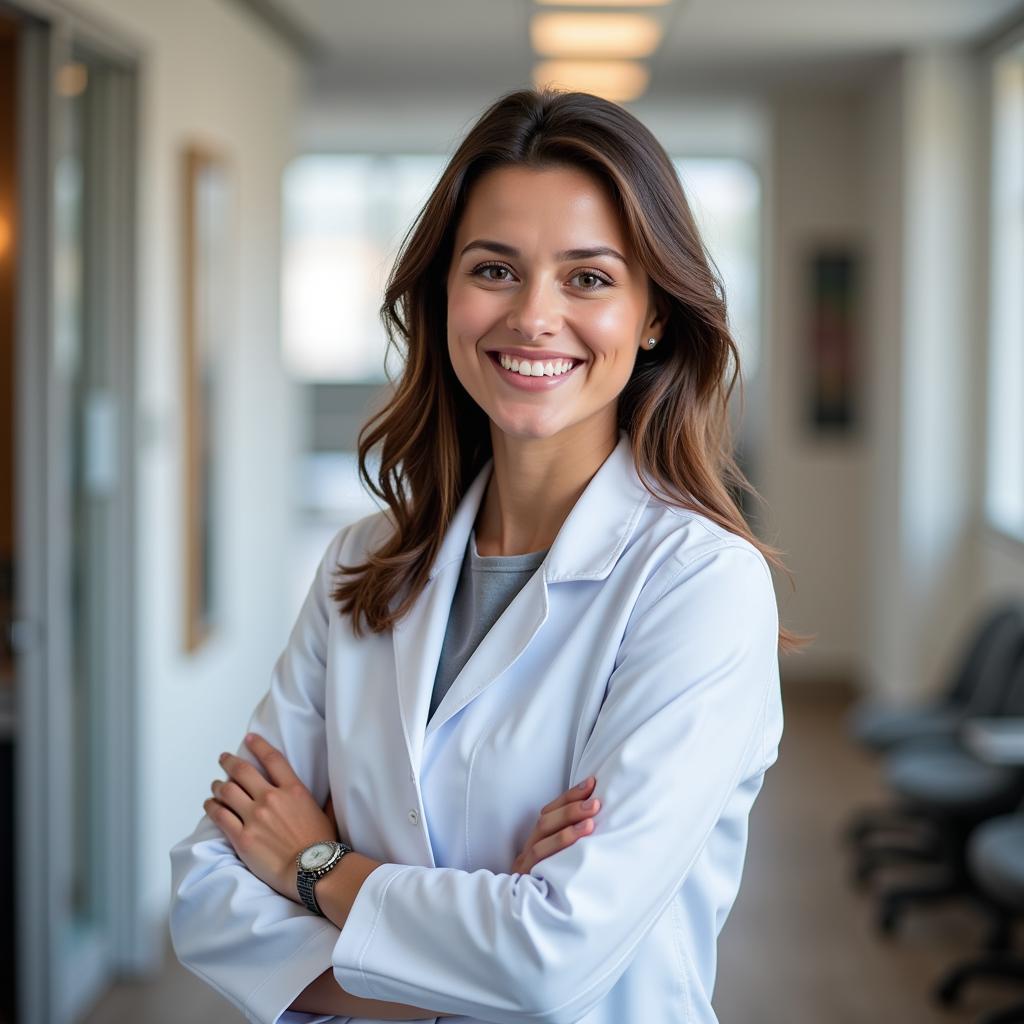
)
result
[(814, 485), (927, 180), (885, 652), (942, 110), (210, 74), (998, 559)]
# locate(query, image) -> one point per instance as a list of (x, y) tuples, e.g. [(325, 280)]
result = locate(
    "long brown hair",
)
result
[(433, 436)]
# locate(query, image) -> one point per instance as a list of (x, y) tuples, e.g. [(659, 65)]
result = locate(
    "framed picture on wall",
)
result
[(207, 275), (834, 339)]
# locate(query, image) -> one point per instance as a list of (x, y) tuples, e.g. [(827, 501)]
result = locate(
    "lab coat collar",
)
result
[(592, 536), (588, 544)]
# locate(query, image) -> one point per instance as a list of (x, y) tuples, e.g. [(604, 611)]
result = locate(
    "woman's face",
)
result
[(518, 293)]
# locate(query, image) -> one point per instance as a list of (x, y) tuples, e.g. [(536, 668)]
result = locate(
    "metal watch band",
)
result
[(306, 882)]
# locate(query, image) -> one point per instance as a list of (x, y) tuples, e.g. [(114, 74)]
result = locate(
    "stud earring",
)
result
[(651, 342)]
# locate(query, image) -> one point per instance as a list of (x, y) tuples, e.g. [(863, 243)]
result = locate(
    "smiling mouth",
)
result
[(495, 357)]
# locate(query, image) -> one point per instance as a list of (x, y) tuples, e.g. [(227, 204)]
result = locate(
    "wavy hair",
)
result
[(434, 438)]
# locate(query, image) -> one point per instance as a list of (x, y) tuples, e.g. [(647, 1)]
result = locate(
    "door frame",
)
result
[(43, 509)]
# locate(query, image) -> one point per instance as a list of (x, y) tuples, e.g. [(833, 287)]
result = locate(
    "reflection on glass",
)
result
[(82, 360)]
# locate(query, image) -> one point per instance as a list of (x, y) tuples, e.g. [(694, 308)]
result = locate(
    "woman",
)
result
[(539, 690)]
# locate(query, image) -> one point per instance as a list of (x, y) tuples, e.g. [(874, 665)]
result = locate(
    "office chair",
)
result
[(956, 791), (982, 688), (878, 726), (995, 858)]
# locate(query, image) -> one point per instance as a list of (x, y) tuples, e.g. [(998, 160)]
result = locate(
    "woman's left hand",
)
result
[(271, 821)]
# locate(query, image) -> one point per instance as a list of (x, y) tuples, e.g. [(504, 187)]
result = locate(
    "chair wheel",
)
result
[(887, 918), (948, 992)]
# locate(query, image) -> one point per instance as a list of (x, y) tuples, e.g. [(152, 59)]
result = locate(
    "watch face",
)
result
[(316, 856)]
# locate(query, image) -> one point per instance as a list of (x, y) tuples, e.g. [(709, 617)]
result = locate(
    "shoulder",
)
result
[(697, 555), (354, 541)]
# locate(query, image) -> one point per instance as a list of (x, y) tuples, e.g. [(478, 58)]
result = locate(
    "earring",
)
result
[(651, 342)]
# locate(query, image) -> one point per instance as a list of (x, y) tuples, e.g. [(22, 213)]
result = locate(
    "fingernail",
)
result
[(249, 737), (582, 826)]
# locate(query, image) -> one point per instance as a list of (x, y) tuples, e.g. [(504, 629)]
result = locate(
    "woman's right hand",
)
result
[(560, 824)]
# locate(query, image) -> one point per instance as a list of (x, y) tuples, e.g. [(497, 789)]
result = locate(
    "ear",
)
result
[(658, 311)]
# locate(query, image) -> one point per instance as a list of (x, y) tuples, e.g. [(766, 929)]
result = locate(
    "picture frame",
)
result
[(834, 281), (207, 274)]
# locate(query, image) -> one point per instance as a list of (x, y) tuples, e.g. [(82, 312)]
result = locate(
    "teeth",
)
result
[(528, 368)]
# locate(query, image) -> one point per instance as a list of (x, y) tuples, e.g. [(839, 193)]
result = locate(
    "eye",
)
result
[(477, 271), (594, 274)]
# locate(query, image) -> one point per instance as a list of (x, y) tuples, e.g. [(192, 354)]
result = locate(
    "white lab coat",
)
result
[(643, 651)]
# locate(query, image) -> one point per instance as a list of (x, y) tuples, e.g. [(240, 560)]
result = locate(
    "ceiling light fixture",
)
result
[(605, 3), (574, 34), (617, 80)]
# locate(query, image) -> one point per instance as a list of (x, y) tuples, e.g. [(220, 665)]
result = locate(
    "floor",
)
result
[(799, 946)]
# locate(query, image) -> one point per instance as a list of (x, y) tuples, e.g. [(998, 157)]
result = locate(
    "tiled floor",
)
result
[(799, 947)]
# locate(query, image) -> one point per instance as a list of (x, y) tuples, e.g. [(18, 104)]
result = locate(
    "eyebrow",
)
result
[(566, 254)]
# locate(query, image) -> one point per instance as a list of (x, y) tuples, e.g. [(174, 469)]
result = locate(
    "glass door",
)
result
[(74, 453)]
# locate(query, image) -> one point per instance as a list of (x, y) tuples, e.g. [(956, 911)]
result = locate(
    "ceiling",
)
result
[(382, 47)]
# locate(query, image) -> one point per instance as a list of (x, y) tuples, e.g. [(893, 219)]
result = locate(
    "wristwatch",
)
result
[(313, 863)]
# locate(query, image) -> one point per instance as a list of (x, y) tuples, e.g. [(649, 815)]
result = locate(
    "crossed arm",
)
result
[(265, 818)]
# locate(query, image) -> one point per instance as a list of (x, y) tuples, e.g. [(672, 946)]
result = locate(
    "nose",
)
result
[(536, 311)]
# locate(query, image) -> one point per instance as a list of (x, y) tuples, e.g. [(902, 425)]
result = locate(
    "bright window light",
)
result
[(725, 197), (1004, 490), (344, 219)]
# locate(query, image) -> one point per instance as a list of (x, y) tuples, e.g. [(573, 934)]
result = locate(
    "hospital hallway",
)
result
[(798, 947), (209, 210)]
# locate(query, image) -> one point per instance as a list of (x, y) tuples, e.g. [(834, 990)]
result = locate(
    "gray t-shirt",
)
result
[(487, 584)]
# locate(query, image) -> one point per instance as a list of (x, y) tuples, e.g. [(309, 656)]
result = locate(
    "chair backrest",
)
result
[(1012, 704), (993, 669)]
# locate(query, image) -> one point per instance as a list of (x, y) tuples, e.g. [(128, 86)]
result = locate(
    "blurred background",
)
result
[(200, 201)]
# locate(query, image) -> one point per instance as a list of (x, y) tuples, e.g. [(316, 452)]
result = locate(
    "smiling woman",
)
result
[(541, 688)]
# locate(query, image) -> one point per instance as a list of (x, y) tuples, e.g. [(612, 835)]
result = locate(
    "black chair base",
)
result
[(871, 857), (1003, 966), (889, 818), (893, 902)]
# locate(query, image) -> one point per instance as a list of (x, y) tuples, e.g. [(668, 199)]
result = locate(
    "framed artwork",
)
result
[(833, 356), (207, 301)]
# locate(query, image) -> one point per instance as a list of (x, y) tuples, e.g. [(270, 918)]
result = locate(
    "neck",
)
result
[(534, 484)]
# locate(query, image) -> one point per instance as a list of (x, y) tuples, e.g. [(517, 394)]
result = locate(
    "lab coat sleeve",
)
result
[(255, 947), (684, 722)]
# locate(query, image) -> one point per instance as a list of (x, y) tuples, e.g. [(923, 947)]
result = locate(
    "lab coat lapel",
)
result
[(419, 635), (498, 649)]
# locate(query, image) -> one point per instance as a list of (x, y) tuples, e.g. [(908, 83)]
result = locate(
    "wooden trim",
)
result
[(201, 443)]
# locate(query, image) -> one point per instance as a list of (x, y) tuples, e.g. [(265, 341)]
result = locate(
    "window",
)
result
[(725, 197), (1004, 491), (344, 219)]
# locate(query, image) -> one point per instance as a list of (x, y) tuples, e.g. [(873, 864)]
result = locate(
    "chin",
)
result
[(529, 427)]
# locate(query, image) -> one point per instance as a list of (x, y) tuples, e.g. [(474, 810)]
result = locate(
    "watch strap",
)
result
[(306, 884)]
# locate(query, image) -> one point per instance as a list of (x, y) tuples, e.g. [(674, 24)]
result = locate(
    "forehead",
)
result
[(564, 204)]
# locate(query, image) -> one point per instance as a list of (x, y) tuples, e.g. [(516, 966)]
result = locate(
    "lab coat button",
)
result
[(413, 817)]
